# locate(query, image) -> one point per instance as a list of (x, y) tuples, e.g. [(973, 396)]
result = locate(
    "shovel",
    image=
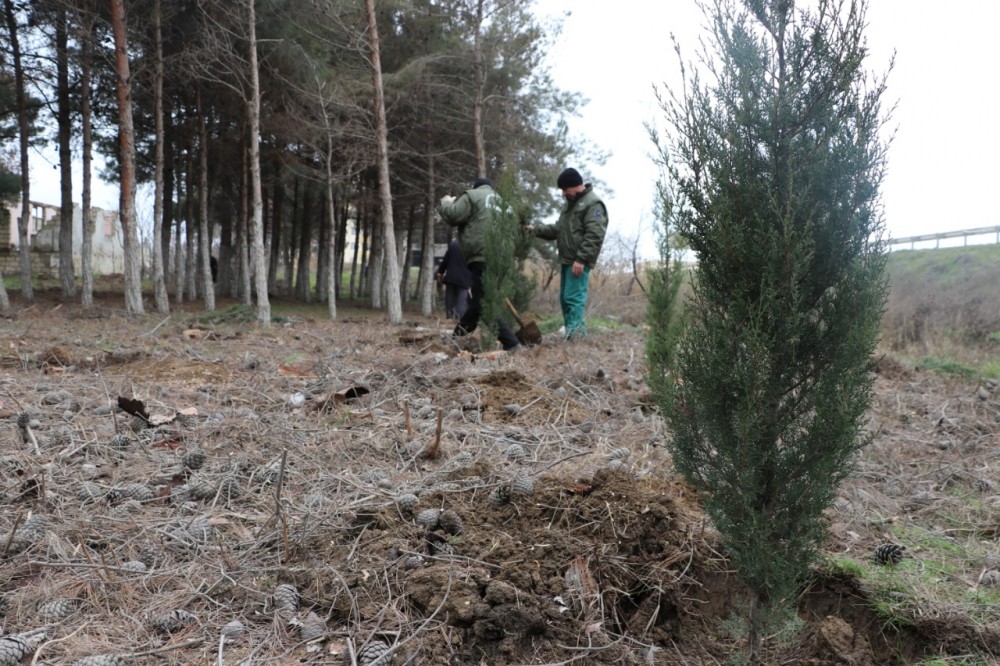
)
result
[(528, 334)]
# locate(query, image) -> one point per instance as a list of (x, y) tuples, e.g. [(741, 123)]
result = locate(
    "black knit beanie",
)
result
[(480, 182), (569, 178)]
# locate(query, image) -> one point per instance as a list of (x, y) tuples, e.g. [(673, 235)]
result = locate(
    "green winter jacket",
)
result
[(579, 233), (472, 213)]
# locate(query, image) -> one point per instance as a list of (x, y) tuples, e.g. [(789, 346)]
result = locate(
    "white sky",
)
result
[(942, 164), (942, 169)]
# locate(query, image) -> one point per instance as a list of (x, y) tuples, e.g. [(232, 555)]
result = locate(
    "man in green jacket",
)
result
[(472, 212), (579, 234)]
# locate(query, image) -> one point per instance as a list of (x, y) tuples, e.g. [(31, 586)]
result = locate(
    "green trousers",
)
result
[(573, 299)]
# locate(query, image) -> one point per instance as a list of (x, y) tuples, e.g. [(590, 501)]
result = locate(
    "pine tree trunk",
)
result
[(179, 277), (253, 112), (204, 232), (304, 247), (159, 284), (126, 146), (478, 103), (331, 239), (406, 254), (426, 282), (243, 238), (67, 275), (86, 131), (374, 273), (755, 628), (24, 224), (275, 223), (191, 231), (385, 193)]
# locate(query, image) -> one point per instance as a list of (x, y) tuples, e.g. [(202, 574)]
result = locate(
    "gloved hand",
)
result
[(447, 200)]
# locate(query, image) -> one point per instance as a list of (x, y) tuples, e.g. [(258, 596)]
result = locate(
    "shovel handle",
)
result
[(517, 317)]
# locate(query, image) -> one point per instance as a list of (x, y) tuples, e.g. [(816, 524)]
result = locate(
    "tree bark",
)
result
[(204, 232), (160, 298), (478, 103), (126, 155), (23, 226), (304, 246), (331, 240), (426, 282), (253, 112), (86, 131), (243, 241), (393, 303), (67, 274)]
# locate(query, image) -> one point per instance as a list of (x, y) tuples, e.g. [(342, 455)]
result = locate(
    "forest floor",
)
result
[(327, 492)]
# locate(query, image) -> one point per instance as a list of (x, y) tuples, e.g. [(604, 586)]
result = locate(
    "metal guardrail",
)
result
[(937, 238)]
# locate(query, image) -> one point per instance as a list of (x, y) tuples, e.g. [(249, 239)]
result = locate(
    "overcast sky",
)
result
[(942, 163), (942, 168)]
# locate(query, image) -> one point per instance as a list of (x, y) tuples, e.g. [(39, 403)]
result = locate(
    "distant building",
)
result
[(107, 253)]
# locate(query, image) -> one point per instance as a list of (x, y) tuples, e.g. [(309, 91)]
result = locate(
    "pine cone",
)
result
[(194, 460), (889, 553), (127, 507), (12, 650), (22, 419), (114, 496), (375, 653), (138, 492), (286, 597), (990, 578), (120, 442), (451, 522), (616, 464), (312, 627), (89, 492), (429, 518), (31, 532), (229, 487), (407, 503), (522, 485), (201, 491), (138, 424), (135, 566), (982, 485), (200, 529), (500, 495), (100, 660), (57, 610), (438, 545), (233, 629), (516, 453), (173, 621), (149, 555)]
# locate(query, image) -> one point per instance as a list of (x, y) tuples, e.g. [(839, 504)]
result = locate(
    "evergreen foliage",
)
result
[(507, 248), (664, 312), (775, 170), (10, 185)]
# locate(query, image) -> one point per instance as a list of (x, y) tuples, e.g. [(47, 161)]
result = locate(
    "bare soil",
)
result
[(566, 536)]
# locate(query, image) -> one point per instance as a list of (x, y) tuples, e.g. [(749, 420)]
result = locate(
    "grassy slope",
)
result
[(943, 305)]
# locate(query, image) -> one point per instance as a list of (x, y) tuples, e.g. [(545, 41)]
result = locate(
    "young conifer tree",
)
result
[(507, 247), (776, 164)]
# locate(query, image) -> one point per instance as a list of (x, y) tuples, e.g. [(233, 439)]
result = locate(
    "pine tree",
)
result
[(506, 249), (776, 166)]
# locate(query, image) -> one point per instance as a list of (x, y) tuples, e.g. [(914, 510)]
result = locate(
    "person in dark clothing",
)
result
[(472, 213), (457, 280)]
